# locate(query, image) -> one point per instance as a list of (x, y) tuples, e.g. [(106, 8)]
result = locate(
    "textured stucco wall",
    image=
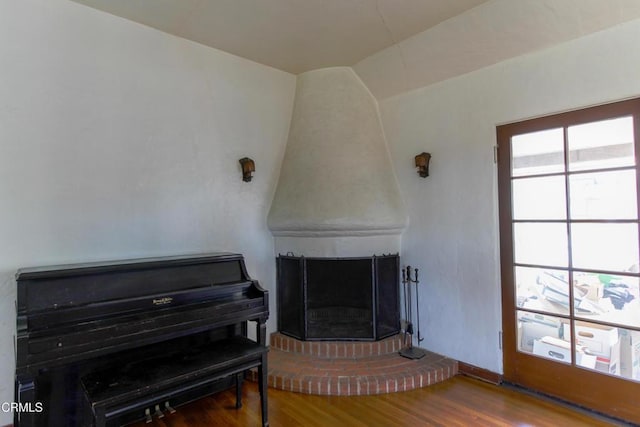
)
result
[(119, 141), (487, 34), (336, 177), (453, 231)]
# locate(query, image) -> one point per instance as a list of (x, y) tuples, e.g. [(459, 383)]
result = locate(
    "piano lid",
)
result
[(55, 287), (50, 271)]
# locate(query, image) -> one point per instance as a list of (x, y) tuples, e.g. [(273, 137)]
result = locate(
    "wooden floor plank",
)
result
[(460, 401)]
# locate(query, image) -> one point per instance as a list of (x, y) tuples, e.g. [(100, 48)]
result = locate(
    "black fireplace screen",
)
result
[(338, 298)]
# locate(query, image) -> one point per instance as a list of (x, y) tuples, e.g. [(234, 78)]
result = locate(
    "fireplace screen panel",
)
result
[(290, 270), (338, 298), (339, 295), (388, 314)]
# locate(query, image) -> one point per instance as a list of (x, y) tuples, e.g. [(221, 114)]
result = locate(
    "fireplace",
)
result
[(337, 196), (338, 298)]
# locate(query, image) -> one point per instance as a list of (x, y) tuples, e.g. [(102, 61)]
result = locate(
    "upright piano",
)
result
[(110, 343)]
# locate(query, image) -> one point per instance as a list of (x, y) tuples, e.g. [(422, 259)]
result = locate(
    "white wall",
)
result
[(120, 141), (487, 34), (453, 232)]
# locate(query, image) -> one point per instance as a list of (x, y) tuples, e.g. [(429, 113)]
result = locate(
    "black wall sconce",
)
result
[(248, 168), (422, 163)]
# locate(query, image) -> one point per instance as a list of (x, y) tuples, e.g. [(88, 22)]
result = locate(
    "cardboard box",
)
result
[(601, 341), (519, 337), (630, 354), (560, 350), (592, 287), (535, 326), (607, 366), (550, 351)]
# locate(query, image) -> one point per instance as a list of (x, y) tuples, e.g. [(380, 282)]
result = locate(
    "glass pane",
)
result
[(612, 247), (542, 289), (598, 346), (607, 143), (537, 152), (607, 298), (541, 244), (543, 336), (604, 195), (539, 198)]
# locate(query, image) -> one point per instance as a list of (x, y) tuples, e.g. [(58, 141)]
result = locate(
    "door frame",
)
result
[(615, 397)]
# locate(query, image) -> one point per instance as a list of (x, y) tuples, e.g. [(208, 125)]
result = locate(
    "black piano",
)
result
[(111, 343)]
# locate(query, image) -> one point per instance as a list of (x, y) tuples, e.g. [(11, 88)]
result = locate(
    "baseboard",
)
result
[(479, 373)]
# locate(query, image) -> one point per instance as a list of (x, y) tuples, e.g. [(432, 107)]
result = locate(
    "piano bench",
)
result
[(145, 388)]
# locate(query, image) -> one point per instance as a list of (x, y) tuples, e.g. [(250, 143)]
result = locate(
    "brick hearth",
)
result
[(342, 368)]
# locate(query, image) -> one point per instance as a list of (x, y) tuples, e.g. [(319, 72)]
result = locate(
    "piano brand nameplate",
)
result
[(162, 301)]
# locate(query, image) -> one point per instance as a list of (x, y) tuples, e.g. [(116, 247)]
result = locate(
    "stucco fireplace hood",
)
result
[(337, 194)]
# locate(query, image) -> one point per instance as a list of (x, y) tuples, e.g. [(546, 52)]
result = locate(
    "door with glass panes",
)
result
[(568, 194)]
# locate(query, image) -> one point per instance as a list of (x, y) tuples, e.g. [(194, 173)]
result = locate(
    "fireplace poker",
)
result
[(408, 330), (420, 339), (409, 351)]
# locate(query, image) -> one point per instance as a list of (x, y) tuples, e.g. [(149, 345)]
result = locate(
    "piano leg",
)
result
[(263, 372), (261, 332), (262, 385), (239, 380)]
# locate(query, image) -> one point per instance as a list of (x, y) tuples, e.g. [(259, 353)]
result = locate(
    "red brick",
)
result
[(350, 368)]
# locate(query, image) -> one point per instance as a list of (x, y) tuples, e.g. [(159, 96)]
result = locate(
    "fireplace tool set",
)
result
[(408, 350)]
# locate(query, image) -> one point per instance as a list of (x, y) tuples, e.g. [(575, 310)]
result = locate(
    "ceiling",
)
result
[(291, 35), (393, 45)]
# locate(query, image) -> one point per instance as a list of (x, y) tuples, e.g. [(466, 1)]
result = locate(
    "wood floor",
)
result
[(460, 401)]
